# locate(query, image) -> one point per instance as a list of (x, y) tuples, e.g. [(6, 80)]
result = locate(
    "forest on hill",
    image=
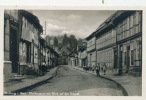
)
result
[(70, 42)]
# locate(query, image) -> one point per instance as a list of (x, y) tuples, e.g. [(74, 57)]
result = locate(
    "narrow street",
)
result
[(69, 81), (47, 51)]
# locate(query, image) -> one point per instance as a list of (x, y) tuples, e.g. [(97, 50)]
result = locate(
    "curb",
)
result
[(27, 88), (118, 84)]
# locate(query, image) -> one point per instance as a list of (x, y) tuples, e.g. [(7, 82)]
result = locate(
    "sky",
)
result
[(80, 23)]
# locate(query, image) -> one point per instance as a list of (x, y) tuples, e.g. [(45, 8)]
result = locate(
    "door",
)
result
[(115, 59), (120, 61), (13, 50), (90, 59), (128, 59)]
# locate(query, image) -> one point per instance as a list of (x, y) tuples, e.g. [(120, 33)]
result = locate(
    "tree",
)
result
[(73, 42), (80, 42), (55, 42), (65, 40)]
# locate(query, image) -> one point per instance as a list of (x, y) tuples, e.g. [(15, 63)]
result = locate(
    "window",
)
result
[(23, 22), (139, 27), (125, 58), (137, 16), (134, 19), (132, 32), (29, 53), (131, 24), (24, 51), (124, 53), (26, 24)]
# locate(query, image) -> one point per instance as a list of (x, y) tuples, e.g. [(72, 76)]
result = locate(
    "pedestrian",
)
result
[(89, 67), (43, 67), (84, 67), (93, 69), (98, 70), (104, 68)]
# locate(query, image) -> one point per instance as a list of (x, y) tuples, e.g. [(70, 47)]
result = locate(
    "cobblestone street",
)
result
[(74, 82)]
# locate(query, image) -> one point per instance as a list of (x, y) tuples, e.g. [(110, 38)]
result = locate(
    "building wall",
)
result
[(71, 61), (30, 45), (108, 38), (84, 57), (120, 46), (36, 47), (91, 44), (106, 56), (12, 13), (79, 59), (91, 57), (83, 54), (10, 22), (91, 51), (7, 62), (129, 38), (104, 47)]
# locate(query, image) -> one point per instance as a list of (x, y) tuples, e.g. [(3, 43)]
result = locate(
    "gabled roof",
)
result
[(32, 18), (72, 54), (110, 21), (90, 36)]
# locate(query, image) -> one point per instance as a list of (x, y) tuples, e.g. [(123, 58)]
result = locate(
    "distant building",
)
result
[(72, 58), (91, 52), (63, 59)]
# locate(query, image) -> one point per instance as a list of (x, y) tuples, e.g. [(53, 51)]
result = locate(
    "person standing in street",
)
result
[(93, 68), (98, 70), (104, 68), (43, 67)]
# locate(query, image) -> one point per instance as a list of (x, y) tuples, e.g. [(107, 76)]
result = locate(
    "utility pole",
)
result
[(45, 30)]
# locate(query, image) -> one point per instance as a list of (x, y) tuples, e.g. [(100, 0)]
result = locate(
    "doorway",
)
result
[(128, 59), (13, 50), (90, 59), (115, 59)]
